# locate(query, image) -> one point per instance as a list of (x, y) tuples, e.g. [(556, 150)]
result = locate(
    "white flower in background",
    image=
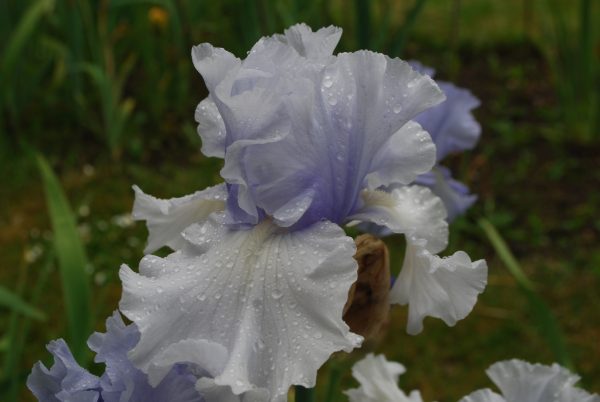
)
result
[(378, 379), (520, 381), (262, 265)]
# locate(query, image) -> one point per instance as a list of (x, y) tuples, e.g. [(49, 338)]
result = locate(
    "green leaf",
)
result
[(545, 321), (14, 302), (71, 260)]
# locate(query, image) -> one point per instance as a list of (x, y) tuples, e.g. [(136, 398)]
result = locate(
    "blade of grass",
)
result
[(363, 23), (16, 44), (71, 258), (14, 302), (16, 336), (545, 321), (402, 35), (305, 394)]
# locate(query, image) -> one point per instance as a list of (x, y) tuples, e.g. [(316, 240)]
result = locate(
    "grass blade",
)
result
[(398, 45), (363, 23), (71, 260), (545, 320), (13, 302)]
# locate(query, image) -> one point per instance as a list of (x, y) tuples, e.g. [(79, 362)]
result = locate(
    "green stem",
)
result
[(305, 394)]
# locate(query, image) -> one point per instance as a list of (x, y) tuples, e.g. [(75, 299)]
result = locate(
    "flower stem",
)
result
[(305, 394)]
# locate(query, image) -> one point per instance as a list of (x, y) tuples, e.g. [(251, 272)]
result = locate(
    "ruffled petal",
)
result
[(222, 393), (378, 379), (213, 64), (65, 380), (522, 381), (412, 210), (454, 194), (272, 298), (409, 152), (483, 395), (451, 124), (211, 128), (445, 288), (314, 135), (311, 44), (166, 219)]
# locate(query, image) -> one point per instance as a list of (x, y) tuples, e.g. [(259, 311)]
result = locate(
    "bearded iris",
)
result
[(261, 264), (522, 381)]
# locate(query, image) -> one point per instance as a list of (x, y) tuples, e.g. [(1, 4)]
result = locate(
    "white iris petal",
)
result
[(445, 288), (378, 379), (219, 393), (272, 298), (412, 210), (521, 381), (166, 219), (483, 395)]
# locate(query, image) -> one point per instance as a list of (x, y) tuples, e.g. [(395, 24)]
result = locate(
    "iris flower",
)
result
[(67, 381), (261, 263), (378, 379), (521, 381), (518, 381)]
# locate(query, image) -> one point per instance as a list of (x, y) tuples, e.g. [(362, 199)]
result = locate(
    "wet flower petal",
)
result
[(211, 128), (166, 219), (484, 395), (522, 381), (311, 44), (303, 133), (378, 379), (451, 124), (272, 298), (65, 380), (445, 288), (213, 392), (412, 210)]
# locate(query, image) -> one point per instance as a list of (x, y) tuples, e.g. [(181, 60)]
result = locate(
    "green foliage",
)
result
[(72, 261), (545, 320), (576, 65), (13, 302)]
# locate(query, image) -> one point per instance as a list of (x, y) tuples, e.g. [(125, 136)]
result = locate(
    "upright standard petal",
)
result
[(211, 128), (272, 298), (166, 219), (378, 379), (311, 44), (445, 288), (412, 210), (522, 381), (339, 125)]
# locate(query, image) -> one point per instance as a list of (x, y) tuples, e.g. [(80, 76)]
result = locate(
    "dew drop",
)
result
[(397, 109), (332, 101), (276, 294)]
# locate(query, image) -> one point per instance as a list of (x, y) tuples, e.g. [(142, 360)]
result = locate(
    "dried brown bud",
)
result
[(367, 308)]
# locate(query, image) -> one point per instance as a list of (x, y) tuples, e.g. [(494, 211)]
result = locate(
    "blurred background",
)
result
[(96, 96)]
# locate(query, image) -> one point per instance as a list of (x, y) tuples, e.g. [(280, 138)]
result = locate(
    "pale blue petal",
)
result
[(65, 380), (454, 194), (340, 130), (451, 124)]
